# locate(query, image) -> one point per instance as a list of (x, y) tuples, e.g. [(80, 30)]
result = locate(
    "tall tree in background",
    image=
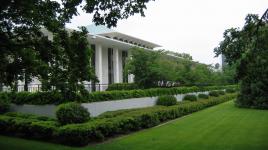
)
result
[(153, 67), (144, 66), (248, 49), (26, 52)]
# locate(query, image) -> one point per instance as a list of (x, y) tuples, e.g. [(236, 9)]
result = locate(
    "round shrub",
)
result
[(214, 93), (4, 103), (221, 92), (230, 90), (190, 97), (166, 100), (72, 113), (203, 96)]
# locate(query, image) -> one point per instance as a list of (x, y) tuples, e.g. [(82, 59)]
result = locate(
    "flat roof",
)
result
[(109, 33)]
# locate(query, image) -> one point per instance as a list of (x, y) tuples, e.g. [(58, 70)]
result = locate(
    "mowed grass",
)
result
[(222, 127)]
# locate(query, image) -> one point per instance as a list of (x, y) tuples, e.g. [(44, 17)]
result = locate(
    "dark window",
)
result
[(110, 66), (93, 64), (93, 47), (124, 59)]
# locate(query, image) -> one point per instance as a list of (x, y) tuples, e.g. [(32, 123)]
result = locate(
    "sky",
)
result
[(186, 26)]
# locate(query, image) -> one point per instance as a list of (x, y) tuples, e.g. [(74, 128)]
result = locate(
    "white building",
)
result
[(111, 48)]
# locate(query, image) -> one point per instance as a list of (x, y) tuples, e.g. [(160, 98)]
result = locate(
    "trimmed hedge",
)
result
[(166, 100), (230, 90), (72, 113), (4, 103), (104, 126), (54, 97), (203, 96), (214, 93), (28, 126), (190, 97), (122, 86), (221, 92)]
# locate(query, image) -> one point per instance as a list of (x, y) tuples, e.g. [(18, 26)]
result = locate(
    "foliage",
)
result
[(230, 90), (214, 93), (4, 103), (122, 86), (153, 67), (247, 48), (101, 128), (221, 92), (72, 112), (190, 97), (166, 100), (54, 97), (144, 66), (203, 96)]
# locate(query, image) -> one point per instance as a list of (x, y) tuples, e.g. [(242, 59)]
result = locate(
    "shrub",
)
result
[(122, 86), (230, 90), (72, 113), (221, 92), (203, 96), (190, 97), (29, 128), (166, 100), (29, 116), (214, 93), (4, 103)]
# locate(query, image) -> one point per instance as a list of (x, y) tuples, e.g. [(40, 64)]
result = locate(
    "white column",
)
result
[(116, 65), (98, 63)]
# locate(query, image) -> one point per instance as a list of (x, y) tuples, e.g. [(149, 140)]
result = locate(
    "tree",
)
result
[(151, 67), (249, 50), (26, 52), (143, 64)]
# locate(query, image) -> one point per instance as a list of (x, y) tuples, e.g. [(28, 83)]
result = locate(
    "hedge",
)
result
[(4, 103), (72, 112), (166, 100), (40, 98), (102, 127), (190, 97), (203, 96), (122, 86)]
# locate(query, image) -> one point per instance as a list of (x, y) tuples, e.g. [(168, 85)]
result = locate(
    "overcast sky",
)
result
[(189, 26)]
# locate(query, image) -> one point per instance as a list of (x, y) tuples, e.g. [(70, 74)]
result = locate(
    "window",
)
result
[(93, 47), (110, 66)]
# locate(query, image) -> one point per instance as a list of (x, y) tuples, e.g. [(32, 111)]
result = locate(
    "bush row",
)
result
[(104, 126), (122, 86), (54, 97)]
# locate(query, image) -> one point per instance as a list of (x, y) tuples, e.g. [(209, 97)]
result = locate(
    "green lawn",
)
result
[(222, 127)]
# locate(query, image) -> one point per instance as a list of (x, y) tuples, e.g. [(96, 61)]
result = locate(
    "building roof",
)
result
[(112, 34)]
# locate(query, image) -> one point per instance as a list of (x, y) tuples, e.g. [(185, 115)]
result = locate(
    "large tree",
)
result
[(248, 49), (26, 52), (153, 67)]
